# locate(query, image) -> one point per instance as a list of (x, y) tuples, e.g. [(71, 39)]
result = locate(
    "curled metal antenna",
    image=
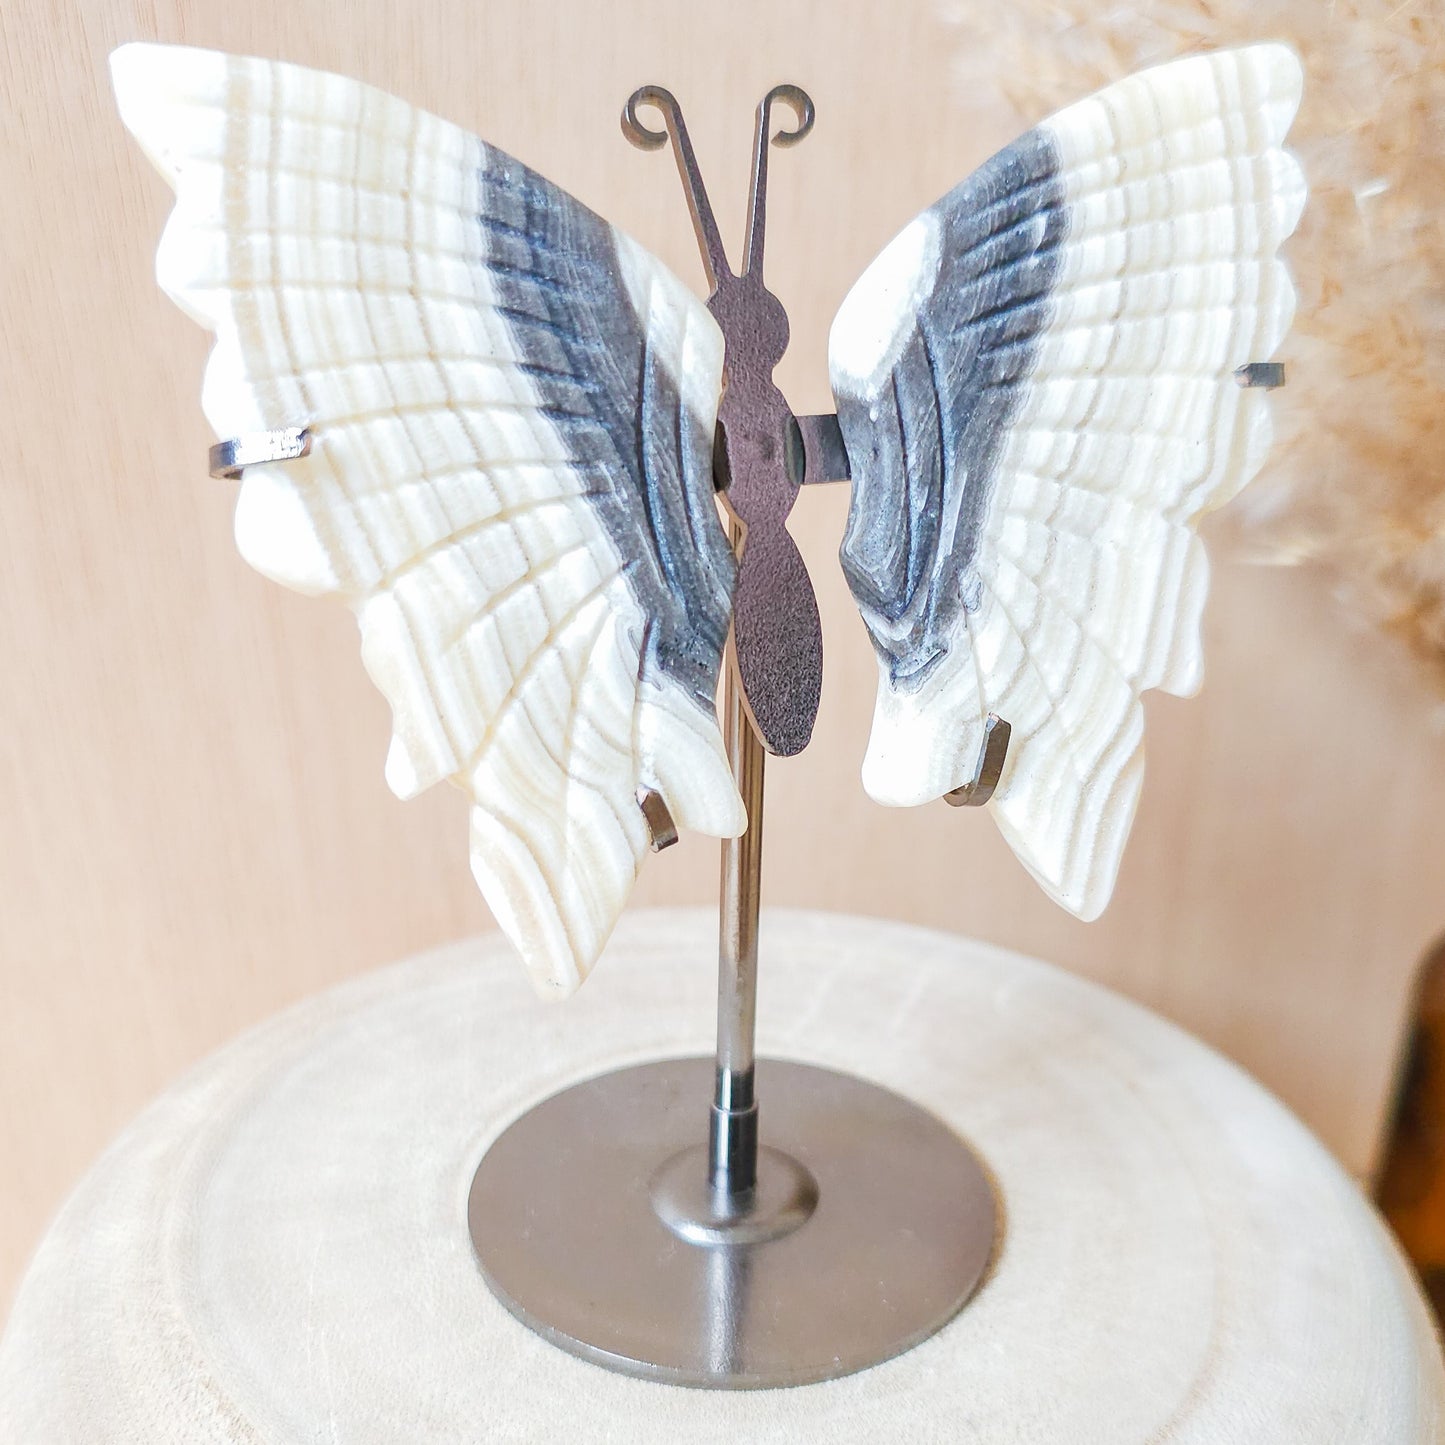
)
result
[(645, 138), (802, 105), (763, 135), (660, 98), (642, 136)]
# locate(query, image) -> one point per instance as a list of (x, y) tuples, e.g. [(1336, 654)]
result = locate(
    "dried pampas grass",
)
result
[(1357, 478)]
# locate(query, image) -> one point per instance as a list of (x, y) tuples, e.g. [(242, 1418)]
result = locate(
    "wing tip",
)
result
[(893, 786), (1284, 78), (1080, 876), (152, 82), (924, 744), (139, 67), (1283, 64), (558, 929), (131, 66), (129, 60), (681, 755)]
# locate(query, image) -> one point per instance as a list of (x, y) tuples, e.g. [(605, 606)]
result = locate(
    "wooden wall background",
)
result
[(194, 829)]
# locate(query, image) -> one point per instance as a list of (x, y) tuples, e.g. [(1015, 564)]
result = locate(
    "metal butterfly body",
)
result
[(511, 411)]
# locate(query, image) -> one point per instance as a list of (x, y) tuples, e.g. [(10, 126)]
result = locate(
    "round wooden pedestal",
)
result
[(276, 1252)]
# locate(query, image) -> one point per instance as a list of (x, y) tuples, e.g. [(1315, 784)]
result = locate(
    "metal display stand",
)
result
[(844, 1224)]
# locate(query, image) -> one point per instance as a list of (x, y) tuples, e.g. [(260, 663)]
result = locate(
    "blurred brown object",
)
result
[(1411, 1189)]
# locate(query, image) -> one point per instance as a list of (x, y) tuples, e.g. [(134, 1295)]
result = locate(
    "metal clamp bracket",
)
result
[(229, 458), (825, 456), (1268, 375), (986, 775)]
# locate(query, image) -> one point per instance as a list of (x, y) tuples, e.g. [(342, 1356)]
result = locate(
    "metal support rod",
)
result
[(775, 655), (733, 1127)]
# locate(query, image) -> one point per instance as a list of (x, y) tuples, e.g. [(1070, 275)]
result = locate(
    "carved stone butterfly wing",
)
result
[(512, 408), (1035, 382)]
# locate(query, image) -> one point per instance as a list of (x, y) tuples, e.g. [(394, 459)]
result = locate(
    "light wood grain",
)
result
[(196, 829), (276, 1252)]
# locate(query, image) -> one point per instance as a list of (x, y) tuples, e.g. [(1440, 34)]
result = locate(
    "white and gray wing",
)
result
[(510, 481), (1035, 383)]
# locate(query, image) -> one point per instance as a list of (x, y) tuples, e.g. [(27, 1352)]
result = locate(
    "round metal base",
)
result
[(871, 1225)]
